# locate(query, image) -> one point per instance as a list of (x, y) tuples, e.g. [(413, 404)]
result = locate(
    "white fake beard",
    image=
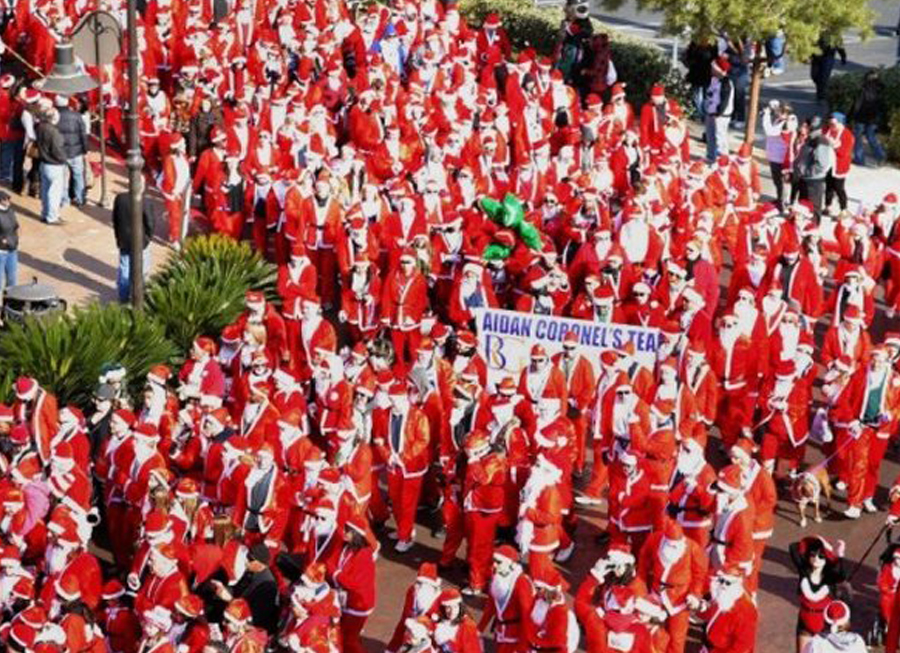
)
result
[(539, 611), (690, 464), (324, 528), (503, 413), (728, 337), (56, 558), (425, 596), (358, 284), (726, 597), (771, 304), (671, 550), (790, 336), (746, 314)]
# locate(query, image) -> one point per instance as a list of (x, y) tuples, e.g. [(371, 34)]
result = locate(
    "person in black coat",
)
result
[(122, 224), (257, 586), (822, 65), (868, 108), (74, 132)]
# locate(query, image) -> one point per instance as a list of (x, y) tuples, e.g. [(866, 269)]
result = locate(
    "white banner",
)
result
[(505, 339)]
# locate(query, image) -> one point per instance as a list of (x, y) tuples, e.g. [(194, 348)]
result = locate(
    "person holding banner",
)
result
[(580, 385)]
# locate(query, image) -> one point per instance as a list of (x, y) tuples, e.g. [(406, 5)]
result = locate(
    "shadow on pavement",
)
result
[(67, 275)]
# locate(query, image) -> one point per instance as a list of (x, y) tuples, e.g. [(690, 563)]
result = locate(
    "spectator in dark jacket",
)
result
[(9, 245), (698, 58), (122, 222), (867, 111), (821, 65), (52, 154), (74, 133), (201, 123)]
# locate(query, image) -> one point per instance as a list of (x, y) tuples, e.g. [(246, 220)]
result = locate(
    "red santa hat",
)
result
[(492, 21), (25, 386), (730, 480), (7, 80), (205, 344), (506, 552), (19, 435), (190, 605), (187, 488), (112, 590), (217, 135), (23, 635), (890, 199), (428, 573), (24, 588), (837, 614), (657, 91), (742, 449), (618, 90)]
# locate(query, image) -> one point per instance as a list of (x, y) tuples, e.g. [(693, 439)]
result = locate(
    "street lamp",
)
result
[(135, 164), (66, 78)]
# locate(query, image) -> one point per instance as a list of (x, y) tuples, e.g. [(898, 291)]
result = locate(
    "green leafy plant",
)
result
[(65, 353), (201, 290), (893, 139)]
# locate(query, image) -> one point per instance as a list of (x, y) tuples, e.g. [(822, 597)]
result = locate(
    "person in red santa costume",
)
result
[(420, 603), (510, 599), (785, 398), (539, 530), (674, 569), (692, 498), (762, 497), (259, 510), (661, 124), (542, 379), (454, 628), (731, 616), (174, 181), (404, 443), (240, 635), (630, 507), (156, 622), (202, 374), (731, 539), (323, 216), (360, 307), (550, 626), (865, 406), (404, 302), (354, 577), (165, 583), (580, 388), (734, 366), (36, 408), (482, 502)]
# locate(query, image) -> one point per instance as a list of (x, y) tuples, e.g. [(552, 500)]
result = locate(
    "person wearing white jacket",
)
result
[(838, 639)]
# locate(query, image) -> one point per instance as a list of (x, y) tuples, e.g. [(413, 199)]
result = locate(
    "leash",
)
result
[(866, 554)]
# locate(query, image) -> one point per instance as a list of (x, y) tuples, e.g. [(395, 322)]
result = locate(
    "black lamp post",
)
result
[(135, 163)]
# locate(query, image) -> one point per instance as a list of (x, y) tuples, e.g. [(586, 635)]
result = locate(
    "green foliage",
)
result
[(844, 88), (893, 140), (638, 64), (65, 353), (201, 290), (801, 21)]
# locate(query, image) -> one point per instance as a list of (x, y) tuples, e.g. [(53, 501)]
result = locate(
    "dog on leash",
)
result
[(808, 488)]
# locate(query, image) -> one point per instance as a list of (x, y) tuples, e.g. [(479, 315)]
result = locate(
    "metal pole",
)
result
[(134, 163), (98, 29)]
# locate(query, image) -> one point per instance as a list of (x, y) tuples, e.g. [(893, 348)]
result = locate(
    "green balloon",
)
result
[(510, 213), (496, 252)]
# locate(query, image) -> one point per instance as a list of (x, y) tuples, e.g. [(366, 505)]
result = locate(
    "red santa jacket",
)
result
[(355, 576), (406, 451), (673, 580), (732, 631)]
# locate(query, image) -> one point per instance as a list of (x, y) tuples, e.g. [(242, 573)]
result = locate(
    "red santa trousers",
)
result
[(677, 626), (406, 345), (838, 451), (454, 525), (175, 211), (512, 489), (775, 446), (351, 629), (877, 449), (599, 473), (857, 467), (404, 493), (698, 535), (325, 263), (228, 224), (734, 414), (480, 530), (378, 507), (759, 548), (580, 423)]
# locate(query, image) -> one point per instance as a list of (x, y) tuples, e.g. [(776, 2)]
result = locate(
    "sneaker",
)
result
[(889, 313), (564, 554), (587, 500), (393, 536), (840, 486), (402, 546), (471, 591), (869, 506), (853, 512)]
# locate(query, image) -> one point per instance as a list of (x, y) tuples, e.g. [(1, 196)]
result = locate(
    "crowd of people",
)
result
[(244, 499)]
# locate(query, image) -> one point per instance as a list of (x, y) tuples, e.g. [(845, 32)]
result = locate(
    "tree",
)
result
[(802, 22)]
